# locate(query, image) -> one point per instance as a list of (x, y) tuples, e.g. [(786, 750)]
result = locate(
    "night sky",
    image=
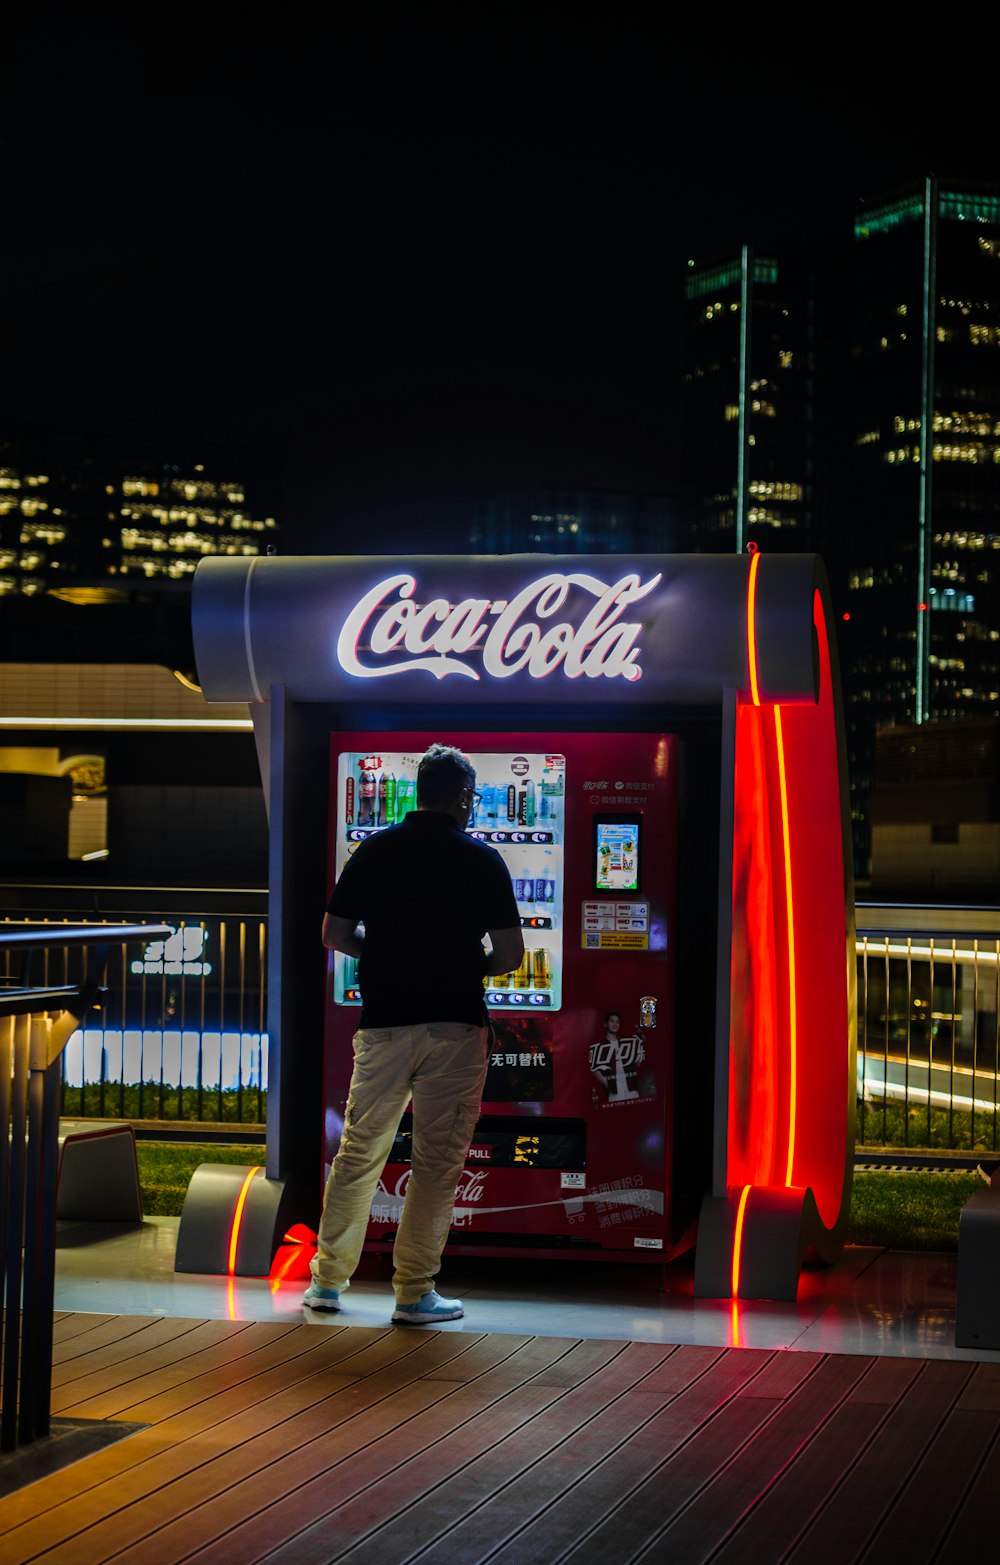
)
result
[(381, 267)]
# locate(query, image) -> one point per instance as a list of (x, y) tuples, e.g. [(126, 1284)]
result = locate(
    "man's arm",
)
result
[(341, 934), (508, 949)]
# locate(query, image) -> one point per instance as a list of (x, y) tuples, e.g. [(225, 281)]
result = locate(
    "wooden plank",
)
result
[(511, 1485), (117, 1513), (230, 1347), (450, 1462), (172, 1351), (181, 1414), (651, 1426), (112, 1355), (975, 1521), (982, 1390), (690, 1500), (71, 1324), (364, 1457), (843, 1527), (792, 1500), (70, 1360), (790, 1504), (708, 1499), (930, 1499)]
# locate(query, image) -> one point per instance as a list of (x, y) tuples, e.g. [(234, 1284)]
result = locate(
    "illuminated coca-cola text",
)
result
[(506, 636)]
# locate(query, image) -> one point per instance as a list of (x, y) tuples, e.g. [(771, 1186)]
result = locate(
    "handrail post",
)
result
[(31, 1049)]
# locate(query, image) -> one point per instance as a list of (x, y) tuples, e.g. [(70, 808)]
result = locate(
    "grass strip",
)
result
[(165, 1170)]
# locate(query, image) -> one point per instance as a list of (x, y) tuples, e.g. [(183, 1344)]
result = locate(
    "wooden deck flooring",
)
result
[(303, 1443)]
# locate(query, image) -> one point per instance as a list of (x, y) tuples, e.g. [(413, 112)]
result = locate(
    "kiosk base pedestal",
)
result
[(753, 1248), (235, 1219)]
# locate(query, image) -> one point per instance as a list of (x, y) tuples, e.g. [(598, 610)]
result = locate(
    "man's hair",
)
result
[(442, 774)]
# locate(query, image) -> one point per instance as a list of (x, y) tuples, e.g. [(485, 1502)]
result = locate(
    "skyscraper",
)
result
[(564, 521), (746, 406), (70, 521), (921, 509)]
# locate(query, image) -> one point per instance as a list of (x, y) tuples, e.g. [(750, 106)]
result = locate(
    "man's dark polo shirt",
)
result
[(426, 894)]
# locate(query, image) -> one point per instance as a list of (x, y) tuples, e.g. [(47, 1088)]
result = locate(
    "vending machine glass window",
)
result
[(520, 811)]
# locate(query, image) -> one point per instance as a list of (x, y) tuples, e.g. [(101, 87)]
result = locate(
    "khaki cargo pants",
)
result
[(441, 1067)]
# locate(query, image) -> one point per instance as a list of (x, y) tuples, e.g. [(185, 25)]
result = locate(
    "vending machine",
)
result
[(573, 1148), (660, 760)]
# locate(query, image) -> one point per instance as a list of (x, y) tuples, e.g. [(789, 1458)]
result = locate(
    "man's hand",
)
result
[(508, 949), (341, 934)]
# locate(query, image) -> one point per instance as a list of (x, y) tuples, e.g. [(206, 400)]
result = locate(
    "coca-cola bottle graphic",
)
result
[(367, 787)]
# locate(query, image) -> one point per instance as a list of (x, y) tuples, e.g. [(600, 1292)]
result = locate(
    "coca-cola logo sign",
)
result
[(389, 632)]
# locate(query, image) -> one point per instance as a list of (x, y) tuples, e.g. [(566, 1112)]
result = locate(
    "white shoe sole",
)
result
[(423, 1318)]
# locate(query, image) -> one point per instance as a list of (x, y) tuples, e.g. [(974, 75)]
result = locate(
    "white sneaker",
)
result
[(430, 1307), (319, 1298)]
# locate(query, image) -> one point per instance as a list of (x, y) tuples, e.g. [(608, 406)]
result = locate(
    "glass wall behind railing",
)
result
[(181, 1034)]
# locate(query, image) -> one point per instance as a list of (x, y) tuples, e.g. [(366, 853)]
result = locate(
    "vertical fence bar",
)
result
[(47, 1242), (261, 1015), (952, 1051), (996, 1036), (15, 1236), (930, 1042), (243, 977), (201, 1026), (220, 1115), (10, 1235), (975, 1039), (885, 1049), (31, 1296)]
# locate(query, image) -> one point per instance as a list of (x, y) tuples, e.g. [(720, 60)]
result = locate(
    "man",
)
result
[(426, 894)]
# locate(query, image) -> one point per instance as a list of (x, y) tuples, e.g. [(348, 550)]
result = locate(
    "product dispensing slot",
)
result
[(513, 1141)]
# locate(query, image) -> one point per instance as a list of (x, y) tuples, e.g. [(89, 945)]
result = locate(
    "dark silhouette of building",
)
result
[(921, 515), (935, 811), (564, 521), (746, 416)]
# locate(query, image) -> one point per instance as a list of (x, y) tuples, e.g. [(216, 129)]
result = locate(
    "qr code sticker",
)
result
[(593, 942)]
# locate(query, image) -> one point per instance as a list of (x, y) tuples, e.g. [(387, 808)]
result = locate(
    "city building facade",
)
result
[(746, 413), (921, 509), (76, 524)]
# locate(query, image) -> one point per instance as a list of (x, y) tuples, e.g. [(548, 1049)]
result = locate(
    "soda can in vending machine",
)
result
[(349, 802), (522, 977), (541, 969)]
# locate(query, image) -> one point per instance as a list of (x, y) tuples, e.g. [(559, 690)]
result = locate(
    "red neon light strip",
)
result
[(752, 628), (790, 917), (738, 1240), (234, 1232)]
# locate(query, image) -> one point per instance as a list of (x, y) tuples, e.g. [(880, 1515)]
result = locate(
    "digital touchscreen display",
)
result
[(616, 853)]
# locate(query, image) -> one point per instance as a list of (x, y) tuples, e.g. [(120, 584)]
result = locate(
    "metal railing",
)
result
[(929, 1028), (183, 1035), (183, 1032), (32, 1039)]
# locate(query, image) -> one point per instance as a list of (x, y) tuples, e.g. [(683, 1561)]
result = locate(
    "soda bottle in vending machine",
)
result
[(386, 798), (367, 797), (406, 796)]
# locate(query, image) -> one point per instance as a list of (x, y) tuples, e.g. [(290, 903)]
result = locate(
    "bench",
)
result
[(977, 1313), (98, 1177)]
